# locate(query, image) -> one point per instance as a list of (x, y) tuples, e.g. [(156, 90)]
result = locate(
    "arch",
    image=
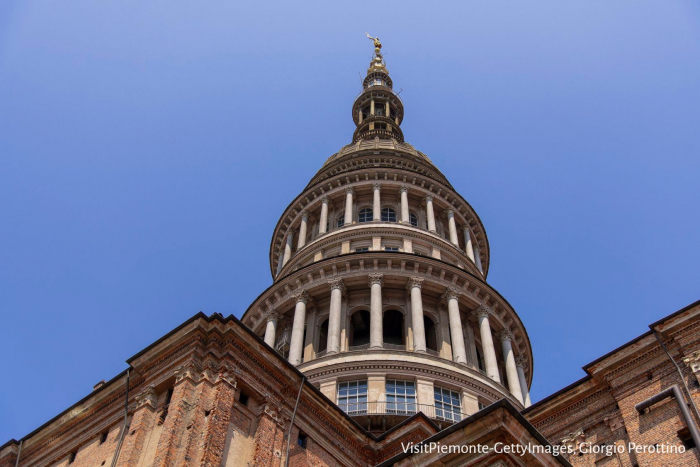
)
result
[(388, 215), (393, 327), (365, 215), (359, 328), (323, 336), (431, 341)]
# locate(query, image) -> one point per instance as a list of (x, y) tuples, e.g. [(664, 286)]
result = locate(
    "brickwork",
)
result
[(218, 422)]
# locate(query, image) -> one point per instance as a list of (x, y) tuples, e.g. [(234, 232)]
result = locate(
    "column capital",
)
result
[(337, 284), (272, 315), (377, 186), (349, 190), (186, 371), (451, 293), (302, 296), (403, 189), (225, 377), (449, 212), (290, 234), (466, 229), (325, 200), (305, 215), (147, 397), (505, 335), (482, 312), (376, 278), (520, 361), (428, 198), (415, 282)]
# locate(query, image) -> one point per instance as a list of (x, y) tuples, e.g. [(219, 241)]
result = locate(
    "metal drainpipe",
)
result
[(126, 416), (19, 453), (673, 391), (680, 373), (291, 424)]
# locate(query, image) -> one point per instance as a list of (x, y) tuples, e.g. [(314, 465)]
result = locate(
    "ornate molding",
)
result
[(337, 283), (415, 282), (482, 312), (186, 371), (403, 189), (272, 315), (305, 215), (505, 335), (521, 362), (147, 397), (575, 440), (302, 296), (376, 278), (349, 190), (377, 186), (452, 293)]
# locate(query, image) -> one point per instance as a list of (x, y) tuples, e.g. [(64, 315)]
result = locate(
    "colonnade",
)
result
[(514, 367), (471, 249)]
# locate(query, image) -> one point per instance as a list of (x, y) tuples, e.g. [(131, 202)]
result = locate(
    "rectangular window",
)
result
[(391, 248), (103, 437), (352, 397), (400, 397), (302, 439), (447, 405), (364, 248)]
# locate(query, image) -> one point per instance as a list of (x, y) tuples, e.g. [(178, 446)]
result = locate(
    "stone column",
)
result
[(377, 204), (371, 107), (271, 330), (452, 226), (404, 204), (302, 230), (376, 393), (468, 247), (520, 365), (506, 337), (477, 259), (288, 247), (459, 353), (309, 351), (414, 286), (324, 215), (297, 343), (482, 313), (470, 403), (473, 357), (376, 317), (359, 116), (348, 205), (430, 213), (337, 288)]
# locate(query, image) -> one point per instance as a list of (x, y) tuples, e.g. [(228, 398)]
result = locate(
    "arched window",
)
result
[(413, 219), (341, 220), (365, 215), (392, 325), (359, 328), (388, 215), (430, 334)]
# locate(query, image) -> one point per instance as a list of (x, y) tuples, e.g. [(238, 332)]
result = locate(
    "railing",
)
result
[(394, 347), (358, 348), (358, 409), (432, 352)]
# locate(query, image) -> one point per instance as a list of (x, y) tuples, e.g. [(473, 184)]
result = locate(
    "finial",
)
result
[(377, 44)]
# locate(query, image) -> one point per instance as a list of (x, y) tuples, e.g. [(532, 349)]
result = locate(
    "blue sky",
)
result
[(148, 148)]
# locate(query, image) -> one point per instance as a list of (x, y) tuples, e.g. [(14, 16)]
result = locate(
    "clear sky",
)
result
[(147, 150)]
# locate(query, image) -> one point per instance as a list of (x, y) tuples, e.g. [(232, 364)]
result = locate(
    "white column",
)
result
[(297, 343), (280, 263), (459, 353), (404, 204), (414, 286), (271, 328), (506, 338), (487, 344), (468, 248), (376, 316), (337, 288), (302, 229), (288, 247), (452, 226), (377, 205), (324, 216), (430, 213), (371, 107), (348, 205), (520, 364), (477, 259)]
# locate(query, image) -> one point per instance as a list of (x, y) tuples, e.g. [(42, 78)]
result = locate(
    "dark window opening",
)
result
[(391, 248), (480, 360), (164, 413), (388, 215), (103, 437), (341, 220), (430, 333), (243, 399), (359, 326), (392, 325), (302, 439), (364, 248), (413, 219), (71, 457), (686, 438), (323, 336), (207, 412), (365, 215)]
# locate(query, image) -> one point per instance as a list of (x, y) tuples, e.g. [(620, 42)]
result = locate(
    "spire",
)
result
[(378, 110)]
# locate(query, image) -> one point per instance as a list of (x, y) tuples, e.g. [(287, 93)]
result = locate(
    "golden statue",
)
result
[(377, 44)]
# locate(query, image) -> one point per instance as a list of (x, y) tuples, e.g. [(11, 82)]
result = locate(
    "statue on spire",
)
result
[(377, 44)]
